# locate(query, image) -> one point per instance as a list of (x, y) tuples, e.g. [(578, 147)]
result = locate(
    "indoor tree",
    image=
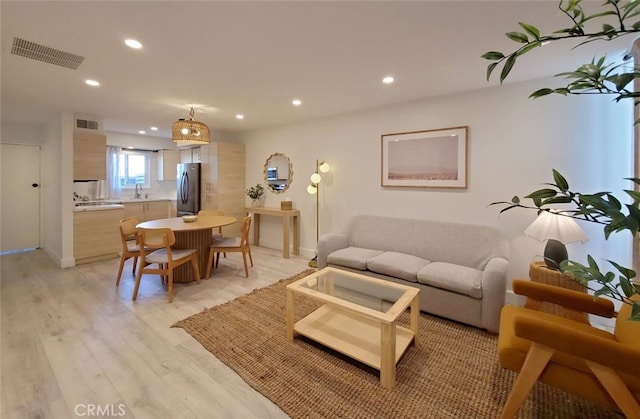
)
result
[(615, 19)]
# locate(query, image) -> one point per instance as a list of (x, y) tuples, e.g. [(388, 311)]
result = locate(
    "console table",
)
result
[(287, 216)]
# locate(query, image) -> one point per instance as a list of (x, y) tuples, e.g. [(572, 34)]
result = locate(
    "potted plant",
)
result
[(618, 18), (255, 193)]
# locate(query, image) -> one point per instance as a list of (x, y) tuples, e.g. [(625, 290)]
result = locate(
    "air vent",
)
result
[(45, 54), (87, 124)]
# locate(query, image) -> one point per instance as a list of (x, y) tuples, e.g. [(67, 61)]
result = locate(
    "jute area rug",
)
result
[(452, 372)]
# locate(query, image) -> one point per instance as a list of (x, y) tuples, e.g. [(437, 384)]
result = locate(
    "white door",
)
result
[(19, 197)]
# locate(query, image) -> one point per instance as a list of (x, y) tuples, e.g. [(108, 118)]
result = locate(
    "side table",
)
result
[(539, 272)]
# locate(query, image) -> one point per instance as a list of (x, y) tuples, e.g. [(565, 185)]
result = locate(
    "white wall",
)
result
[(514, 142)]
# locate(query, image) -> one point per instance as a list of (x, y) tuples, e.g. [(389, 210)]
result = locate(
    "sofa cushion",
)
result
[(452, 277), (352, 257), (398, 265)]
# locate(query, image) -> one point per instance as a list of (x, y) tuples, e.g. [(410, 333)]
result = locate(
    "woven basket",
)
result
[(286, 205), (538, 272)]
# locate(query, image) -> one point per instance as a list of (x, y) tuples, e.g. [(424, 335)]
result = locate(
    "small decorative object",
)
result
[(189, 218), (255, 193), (286, 205), (431, 159)]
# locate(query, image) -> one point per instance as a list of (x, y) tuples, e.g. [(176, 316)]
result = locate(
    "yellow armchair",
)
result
[(573, 356)]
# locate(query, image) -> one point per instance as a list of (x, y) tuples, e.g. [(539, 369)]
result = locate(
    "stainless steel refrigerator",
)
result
[(188, 189)]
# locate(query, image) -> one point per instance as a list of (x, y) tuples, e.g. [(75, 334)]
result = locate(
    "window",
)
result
[(133, 168)]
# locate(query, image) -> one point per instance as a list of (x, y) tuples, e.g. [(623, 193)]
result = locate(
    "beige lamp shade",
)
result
[(553, 225)]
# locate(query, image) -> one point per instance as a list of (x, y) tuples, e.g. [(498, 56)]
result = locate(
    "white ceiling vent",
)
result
[(89, 123), (45, 54)]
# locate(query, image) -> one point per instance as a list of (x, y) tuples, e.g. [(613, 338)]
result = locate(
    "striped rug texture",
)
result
[(452, 372)]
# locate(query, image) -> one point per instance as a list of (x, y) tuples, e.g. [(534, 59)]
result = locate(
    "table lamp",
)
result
[(558, 230)]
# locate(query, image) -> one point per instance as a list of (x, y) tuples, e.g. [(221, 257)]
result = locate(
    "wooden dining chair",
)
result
[(159, 241), (232, 244), (130, 246), (216, 235)]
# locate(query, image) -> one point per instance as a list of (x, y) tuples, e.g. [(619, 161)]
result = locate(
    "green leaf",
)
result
[(530, 29), (490, 69), (541, 92), (635, 311), (508, 65), (560, 181), (518, 37), (493, 55), (515, 199)]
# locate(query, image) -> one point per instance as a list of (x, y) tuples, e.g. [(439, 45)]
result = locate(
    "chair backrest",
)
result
[(244, 230), (157, 238), (206, 213), (128, 227)]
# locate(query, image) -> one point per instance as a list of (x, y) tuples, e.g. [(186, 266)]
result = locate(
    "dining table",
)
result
[(191, 235)]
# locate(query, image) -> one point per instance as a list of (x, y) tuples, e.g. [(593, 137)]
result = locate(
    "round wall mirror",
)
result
[(278, 172)]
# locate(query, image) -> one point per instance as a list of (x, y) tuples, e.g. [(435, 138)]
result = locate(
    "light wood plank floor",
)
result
[(72, 341)]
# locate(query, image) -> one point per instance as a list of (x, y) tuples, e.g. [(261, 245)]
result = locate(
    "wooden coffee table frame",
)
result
[(364, 334)]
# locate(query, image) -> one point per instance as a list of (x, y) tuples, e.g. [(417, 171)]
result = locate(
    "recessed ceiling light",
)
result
[(132, 43), (239, 116), (92, 82), (142, 131), (296, 102), (153, 128), (388, 80)]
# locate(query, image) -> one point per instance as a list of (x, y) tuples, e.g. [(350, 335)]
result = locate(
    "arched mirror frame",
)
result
[(289, 178)]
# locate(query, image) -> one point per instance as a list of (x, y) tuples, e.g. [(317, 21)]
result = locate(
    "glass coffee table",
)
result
[(358, 318)]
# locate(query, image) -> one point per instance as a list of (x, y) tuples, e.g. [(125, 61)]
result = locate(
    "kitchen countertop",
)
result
[(110, 204)]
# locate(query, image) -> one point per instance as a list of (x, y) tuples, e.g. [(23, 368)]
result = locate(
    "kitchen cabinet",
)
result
[(147, 211), (96, 235), (223, 181), (89, 156), (190, 155), (167, 162)]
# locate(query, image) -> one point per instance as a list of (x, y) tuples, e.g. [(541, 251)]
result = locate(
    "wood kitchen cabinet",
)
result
[(223, 181), (89, 156), (96, 235), (147, 211), (167, 162)]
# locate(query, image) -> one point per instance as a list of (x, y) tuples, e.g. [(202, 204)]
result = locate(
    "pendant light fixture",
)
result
[(189, 131)]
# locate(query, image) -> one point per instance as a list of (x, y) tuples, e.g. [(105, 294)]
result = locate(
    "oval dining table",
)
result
[(193, 235)]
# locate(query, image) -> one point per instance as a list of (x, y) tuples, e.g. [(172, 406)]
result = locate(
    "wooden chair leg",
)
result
[(135, 288), (244, 259), (250, 257), (617, 389), (120, 270), (209, 263), (170, 285), (196, 269), (534, 363), (135, 265), (217, 260)]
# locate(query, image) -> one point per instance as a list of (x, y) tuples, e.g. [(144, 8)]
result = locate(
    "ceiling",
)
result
[(253, 58)]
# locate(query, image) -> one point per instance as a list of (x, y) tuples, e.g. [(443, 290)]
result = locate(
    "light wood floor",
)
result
[(72, 341)]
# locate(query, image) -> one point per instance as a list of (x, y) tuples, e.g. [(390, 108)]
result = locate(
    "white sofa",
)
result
[(461, 269)]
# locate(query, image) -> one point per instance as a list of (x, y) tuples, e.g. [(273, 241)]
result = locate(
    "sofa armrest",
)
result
[(571, 299), (327, 244), (494, 287)]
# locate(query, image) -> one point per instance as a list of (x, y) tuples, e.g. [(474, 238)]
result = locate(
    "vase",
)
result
[(256, 202)]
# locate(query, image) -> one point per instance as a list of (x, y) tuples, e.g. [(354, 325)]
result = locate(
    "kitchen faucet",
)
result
[(138, 193)]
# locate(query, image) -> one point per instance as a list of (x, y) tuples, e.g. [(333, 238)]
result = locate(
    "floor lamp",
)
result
[(313, 189)]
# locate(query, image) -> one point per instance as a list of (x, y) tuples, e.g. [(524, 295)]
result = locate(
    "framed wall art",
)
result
[(429, 159)]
